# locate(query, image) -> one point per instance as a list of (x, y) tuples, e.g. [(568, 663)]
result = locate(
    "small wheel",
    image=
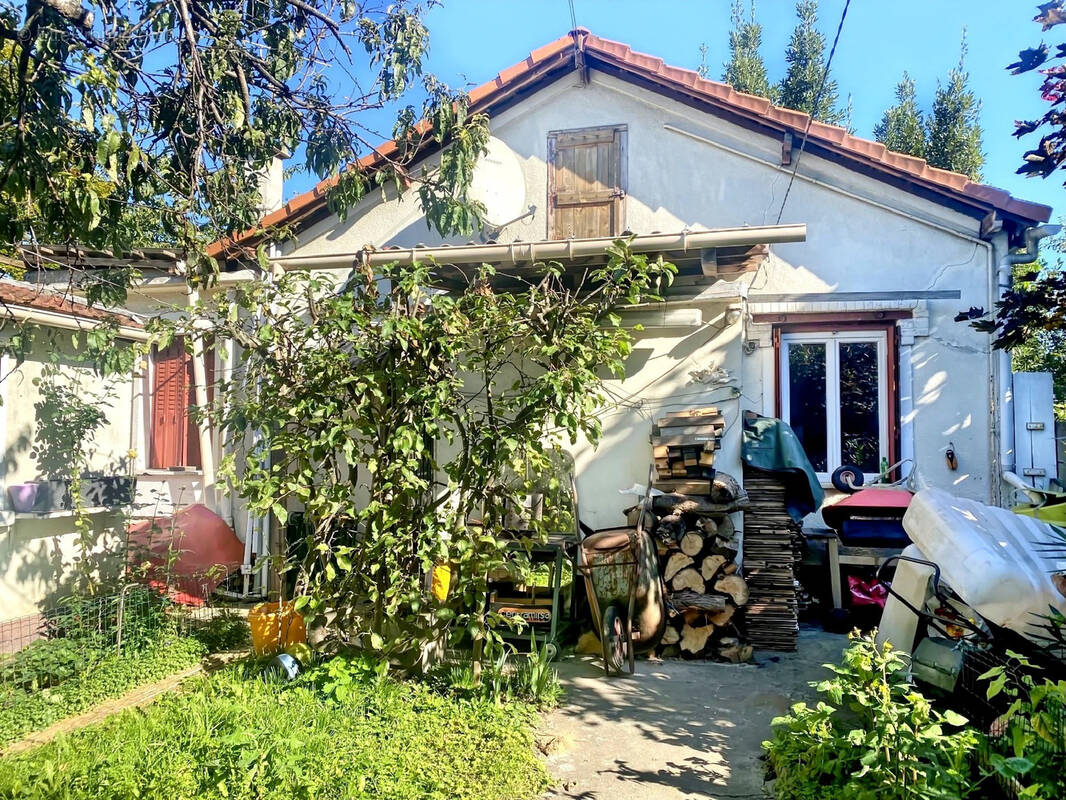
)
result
[(613, 638), (847, 478), (631, 651)]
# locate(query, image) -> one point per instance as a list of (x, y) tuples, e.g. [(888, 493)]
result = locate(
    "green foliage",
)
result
[(45, 663), (953, 127), (222, 633), (151, 122), (1043, 349), (68, 419), (805, 57), (506, 676), (405, 420), (745, 70), (902, 128), (874, 736), (1028, 742), (225, 736), (101, 676)]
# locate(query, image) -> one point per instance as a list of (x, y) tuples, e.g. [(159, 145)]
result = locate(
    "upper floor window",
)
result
[(835, 391), (586, 182)]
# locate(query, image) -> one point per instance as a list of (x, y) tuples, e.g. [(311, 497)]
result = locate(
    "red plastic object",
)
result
[(866, 592), (877, 503), (205, 550)]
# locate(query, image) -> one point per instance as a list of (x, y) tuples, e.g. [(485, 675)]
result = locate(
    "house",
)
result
[(820, 274), (841, 321)]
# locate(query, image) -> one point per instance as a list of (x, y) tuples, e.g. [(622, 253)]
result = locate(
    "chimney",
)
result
[(272, 184)]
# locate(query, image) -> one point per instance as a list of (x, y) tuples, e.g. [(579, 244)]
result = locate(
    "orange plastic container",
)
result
[(275, 626)]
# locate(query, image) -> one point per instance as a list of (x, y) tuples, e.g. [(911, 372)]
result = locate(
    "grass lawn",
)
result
[(233, 736)]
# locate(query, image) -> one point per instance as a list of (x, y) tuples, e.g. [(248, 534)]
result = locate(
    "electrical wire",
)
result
[(573, 16), (814, 105)]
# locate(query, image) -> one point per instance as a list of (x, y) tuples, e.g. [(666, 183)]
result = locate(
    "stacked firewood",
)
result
[(772, 551), (698, 546)]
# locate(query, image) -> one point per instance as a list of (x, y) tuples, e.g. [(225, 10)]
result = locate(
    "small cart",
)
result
[(621, 572)]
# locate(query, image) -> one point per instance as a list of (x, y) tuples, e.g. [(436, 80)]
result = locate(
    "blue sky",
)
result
[(471, 40)]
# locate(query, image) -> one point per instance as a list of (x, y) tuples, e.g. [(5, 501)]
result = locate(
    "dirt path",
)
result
[(678, 729)]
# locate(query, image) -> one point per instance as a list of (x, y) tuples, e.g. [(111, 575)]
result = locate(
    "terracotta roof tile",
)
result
[(27, 295), (651, 68)]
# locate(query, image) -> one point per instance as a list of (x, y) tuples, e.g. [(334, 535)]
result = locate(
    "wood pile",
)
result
[(772, 543), (697, 539), (683, 446)]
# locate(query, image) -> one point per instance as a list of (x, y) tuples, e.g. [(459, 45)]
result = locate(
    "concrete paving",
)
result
[(677, 729)]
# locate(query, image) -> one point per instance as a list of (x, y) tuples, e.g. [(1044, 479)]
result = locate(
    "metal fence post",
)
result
[(121, 614)]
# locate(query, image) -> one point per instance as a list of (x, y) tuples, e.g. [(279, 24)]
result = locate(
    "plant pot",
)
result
[(52, 495), (23, 496), (109, 491)]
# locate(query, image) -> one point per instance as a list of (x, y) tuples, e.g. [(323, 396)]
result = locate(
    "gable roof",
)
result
[(583, 50)]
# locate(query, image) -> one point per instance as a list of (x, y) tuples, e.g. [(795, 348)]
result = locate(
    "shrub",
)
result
[(45, 663), (1030, 746), (223, 632), (876, 737), (226, 736)]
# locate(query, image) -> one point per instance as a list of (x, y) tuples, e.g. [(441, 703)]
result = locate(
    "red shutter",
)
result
[(170, 392)]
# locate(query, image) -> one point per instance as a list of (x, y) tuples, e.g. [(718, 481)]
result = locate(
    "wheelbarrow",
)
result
[(621, 572)]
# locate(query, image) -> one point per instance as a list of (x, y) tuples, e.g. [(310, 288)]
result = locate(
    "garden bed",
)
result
[(331, 734)]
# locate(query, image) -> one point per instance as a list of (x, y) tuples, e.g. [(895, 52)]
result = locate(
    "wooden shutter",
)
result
[(170, 405), (586, 182)]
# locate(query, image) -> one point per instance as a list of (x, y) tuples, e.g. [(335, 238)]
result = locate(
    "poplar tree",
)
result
[(902, 128), (745, 70), (953, 128), (806, 65)]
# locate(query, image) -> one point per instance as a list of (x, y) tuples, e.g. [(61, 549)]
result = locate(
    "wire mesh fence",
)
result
[(42, 650)]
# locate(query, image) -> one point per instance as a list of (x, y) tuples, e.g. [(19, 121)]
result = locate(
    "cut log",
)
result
[(726, 529), (710, 566), (722, 617), (725, 488), (693, 640), (706, 602), (707, 525), (736, 653), (694, 617), (730, 568), (675, 503), (671, 651), (670, 529), (734, 586), (691, 544), (633, 515), (676, 563), (688, 579), (670, 636)]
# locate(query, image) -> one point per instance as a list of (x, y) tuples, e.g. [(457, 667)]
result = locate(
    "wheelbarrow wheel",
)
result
[(614, 639)]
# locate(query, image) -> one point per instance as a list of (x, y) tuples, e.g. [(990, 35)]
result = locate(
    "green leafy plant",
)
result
[(233, 737), (873, 736), (405, 420), (1029, 739), (24, 710), (45, 663)]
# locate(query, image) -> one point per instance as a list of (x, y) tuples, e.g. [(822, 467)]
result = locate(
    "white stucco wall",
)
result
[(689, 169), (37, 554)]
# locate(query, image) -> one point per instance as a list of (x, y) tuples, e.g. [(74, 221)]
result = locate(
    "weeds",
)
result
[(229, 737)]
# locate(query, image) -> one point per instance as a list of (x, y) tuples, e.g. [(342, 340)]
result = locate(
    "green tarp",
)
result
[(772, 446)]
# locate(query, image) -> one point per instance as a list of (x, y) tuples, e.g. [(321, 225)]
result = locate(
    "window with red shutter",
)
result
[(175, 439)]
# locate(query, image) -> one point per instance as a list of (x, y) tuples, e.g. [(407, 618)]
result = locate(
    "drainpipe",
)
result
[(207, 448), (1005, 375)]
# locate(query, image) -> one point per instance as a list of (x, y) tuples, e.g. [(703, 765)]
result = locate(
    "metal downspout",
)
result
[(1005, 375)]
